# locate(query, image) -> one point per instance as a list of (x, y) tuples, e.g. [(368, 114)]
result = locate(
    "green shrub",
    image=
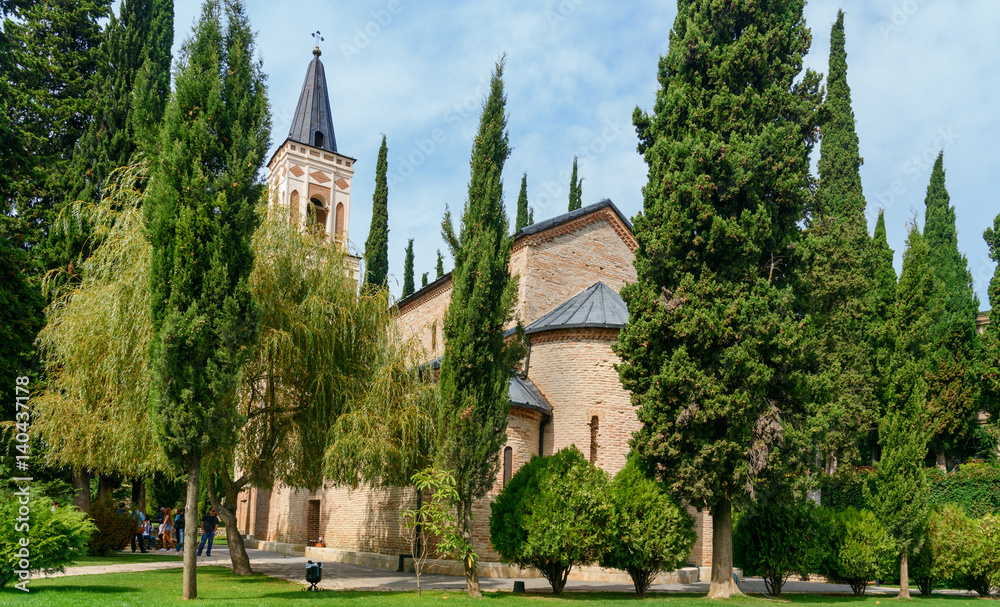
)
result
[(983, 550), (652, 532), (776, 541), (114, 530), (54, 539), (554, 513), (943, 556), (858, 547)]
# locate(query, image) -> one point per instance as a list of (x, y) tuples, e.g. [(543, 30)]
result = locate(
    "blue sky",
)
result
[(924, 74)]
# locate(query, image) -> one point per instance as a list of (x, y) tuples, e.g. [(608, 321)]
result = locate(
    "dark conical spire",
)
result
[(313, 121)]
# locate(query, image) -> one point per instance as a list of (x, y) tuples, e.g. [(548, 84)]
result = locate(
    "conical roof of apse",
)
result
[(313, 120)]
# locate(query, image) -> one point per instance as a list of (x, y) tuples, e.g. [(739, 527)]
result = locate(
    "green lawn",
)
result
[(217, 586)]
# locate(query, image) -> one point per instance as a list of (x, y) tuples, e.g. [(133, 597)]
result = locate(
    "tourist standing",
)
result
[(209, 523)]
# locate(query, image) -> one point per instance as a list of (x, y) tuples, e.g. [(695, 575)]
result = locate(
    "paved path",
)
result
[(342, 576)]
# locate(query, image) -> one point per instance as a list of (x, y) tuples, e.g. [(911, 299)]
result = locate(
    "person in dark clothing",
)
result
[(140, 523), (209, 523), (179, 526)]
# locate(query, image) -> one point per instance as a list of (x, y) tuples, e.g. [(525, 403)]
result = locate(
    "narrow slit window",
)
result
[(508, 462)]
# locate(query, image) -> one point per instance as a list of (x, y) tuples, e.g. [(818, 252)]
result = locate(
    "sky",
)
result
[(924, 77)]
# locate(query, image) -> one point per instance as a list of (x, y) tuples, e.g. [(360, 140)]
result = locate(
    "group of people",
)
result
[(170, 525)]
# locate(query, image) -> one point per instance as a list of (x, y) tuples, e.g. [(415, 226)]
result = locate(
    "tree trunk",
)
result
[(904, 575), (723, 585), (237, 548), (81, 482), (940, 460), (831, 462), (105, 486), (471, 567), (190, 583), (139, 493)]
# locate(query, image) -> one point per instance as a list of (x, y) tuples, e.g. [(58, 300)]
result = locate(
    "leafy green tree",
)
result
[(983, 547), (472, 417), (652, 533), (555, 512), (834, 289), (522, 205), (952, 386), (774, 541), (575, 189), (707, 352), (56, 538), (858, 548), (20, 319), (439, 268), (377, 245), (408, 287), (200, 216), (942, 556)]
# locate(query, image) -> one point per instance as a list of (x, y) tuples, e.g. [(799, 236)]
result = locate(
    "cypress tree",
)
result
[(834, 288), (522, 205), (839, 193), (440, 264), (377, 245), (707, 352), (472, 419), (953, 392), (423, 279), (575, 189), (882, 280), (990, 352), (408, 270), (200, 217), (901, 496)]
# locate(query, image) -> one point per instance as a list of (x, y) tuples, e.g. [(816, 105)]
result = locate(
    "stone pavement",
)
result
[(343, 576)]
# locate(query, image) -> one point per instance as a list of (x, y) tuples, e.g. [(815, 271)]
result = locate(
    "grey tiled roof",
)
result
[(313, 112), (571, 215), (524, 395), (598, 306), (521, 392)]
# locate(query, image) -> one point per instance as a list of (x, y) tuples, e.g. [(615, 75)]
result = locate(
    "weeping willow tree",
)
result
[(325, 359), (94, 414)]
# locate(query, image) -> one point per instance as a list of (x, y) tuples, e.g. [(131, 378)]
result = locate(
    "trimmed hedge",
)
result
[(975, 488)]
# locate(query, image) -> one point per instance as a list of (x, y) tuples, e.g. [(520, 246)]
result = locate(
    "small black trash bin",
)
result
[(314, 575)]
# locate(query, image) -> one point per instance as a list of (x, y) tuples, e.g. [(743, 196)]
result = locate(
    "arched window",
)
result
[(594, 426), (319, 214), (339, 226), (293, 207), (318, 138), (508, 464)]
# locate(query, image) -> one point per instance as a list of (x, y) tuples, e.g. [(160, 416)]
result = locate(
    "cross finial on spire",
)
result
[(319, 37)]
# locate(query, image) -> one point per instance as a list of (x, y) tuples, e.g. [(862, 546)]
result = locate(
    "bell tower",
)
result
[(307, 175)]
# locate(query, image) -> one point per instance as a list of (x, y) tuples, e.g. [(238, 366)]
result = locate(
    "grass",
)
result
[(217, 586)]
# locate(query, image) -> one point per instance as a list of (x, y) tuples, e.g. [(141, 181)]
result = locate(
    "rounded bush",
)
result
[(114, 529), (858, 547), (774, 541), (554, 513)]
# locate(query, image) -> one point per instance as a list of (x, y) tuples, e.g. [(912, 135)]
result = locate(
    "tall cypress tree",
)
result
[(881, 277), (953, 389), (834, 288), (901, 497), (522, 205), (439, 268), (200, 216), (990, 352), (377, 245), (707, 352), (575, 189), (408, 288), (423, 279), (472, 419)]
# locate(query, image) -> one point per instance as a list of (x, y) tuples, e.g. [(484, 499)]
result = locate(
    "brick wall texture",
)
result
[(573, 369)]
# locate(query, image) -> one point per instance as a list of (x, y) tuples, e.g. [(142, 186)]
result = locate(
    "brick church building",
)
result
[(569, 271)]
